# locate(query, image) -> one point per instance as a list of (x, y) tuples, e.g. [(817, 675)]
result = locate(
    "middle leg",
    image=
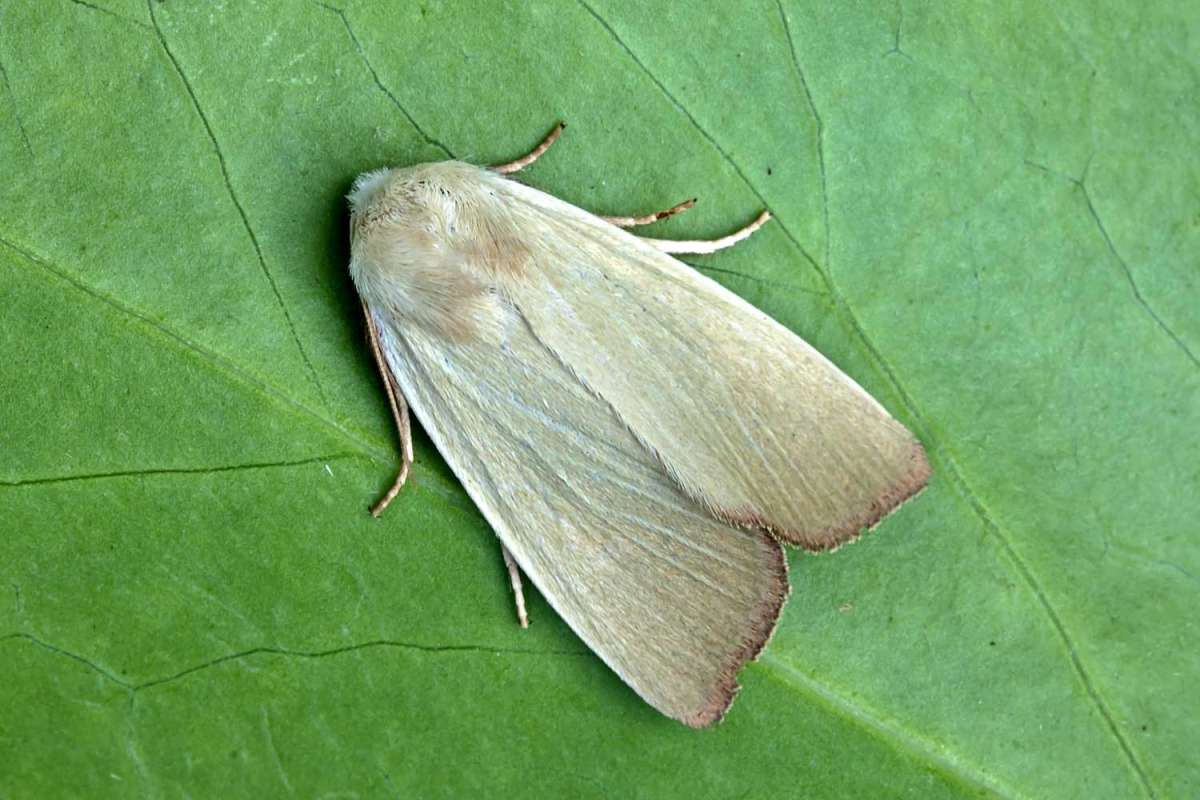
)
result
[(708, 245), (514, 577)]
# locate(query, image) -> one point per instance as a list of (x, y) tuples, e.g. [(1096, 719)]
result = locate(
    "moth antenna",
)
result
[(630, 222), (533, 155), (399, 408)]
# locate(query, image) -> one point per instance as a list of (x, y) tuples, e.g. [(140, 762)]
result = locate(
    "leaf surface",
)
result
[(986, 217)]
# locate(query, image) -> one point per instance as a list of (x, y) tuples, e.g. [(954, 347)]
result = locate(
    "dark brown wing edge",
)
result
[(758, 633), (763, 625), (832, 537)]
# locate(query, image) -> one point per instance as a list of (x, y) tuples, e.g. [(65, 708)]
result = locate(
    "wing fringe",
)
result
[(831, 537), (759, 630)]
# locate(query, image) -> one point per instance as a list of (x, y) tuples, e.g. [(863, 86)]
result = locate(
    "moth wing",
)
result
[(749, 418), (672, 599)]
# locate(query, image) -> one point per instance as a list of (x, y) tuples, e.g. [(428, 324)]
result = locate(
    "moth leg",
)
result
[(629, 222), (399, 413), (514, 577), (525, 160), (709, 246)]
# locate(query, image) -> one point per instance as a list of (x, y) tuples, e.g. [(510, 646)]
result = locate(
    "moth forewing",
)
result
[(751, 420), (671, 598), (637, 436)]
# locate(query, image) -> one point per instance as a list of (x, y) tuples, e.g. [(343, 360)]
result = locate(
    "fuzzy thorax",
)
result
[(428, 242)]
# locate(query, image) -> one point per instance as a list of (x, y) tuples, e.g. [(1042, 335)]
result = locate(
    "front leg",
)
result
[(399, 413), (404, 430)]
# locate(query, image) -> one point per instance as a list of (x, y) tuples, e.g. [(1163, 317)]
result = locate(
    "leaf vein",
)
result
[(816, 115), (12, 102), (225, 174), (362, 53), (975, 776), (111, 13), (1081, 185), (1133, 286), (150, 472), (241, 655), (234, 373)]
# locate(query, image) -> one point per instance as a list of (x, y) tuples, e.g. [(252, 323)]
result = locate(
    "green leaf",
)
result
[(990, 218)]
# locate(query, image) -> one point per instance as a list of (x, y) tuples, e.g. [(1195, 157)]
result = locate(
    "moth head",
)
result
[(366, 187), (428, 243)]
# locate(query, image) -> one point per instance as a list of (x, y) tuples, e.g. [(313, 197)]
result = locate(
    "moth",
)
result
[(642, 441)]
